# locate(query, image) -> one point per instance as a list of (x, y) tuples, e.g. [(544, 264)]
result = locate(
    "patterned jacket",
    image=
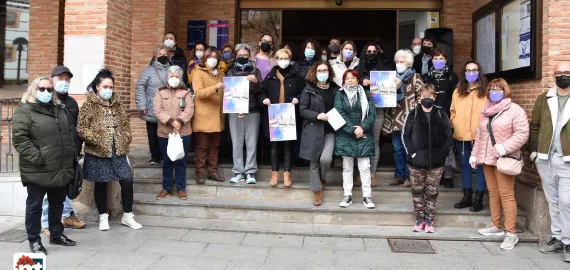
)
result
[(396, 117), (99, 125)]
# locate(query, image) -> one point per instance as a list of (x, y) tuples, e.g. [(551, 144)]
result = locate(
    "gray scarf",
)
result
[(353, 92)]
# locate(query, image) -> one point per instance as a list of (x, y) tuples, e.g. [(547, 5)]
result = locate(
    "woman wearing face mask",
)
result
[(308, 57), (175, 54), (318, 138), (408, 83), (354, 140), (371, 60), (105, 128), (174, 109), (346, 60), (264, 60), (42, 136), (445, 81), (208, 122), (244, 128), (282, 85), (151, 79), (466, 106), (197, 56), (325, 54), (510, 129), (422, 61), (228, 56)]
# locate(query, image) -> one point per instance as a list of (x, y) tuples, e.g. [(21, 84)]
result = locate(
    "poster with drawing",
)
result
[(282, 125), (383, 89), (524, 34), (236, 95)]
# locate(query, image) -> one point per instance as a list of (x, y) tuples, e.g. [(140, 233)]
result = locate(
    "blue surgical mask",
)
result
[(309, 53), (43, 97), (322, 77), (106, 94), (61, 87), (227, 56)]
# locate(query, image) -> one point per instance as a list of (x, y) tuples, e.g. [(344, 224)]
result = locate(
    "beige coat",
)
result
[(167, 108), (208, 102)]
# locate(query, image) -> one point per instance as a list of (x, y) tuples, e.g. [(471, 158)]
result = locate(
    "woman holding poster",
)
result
[(318, 138), (355, 139)]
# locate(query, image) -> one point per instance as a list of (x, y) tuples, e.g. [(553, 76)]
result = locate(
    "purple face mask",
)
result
[(438, 64), (347, 54), (496, 96), (472, 77)]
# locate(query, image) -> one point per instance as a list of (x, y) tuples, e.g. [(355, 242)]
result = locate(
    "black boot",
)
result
[(478, 202), (447, 183), (37, 247), (467, 200)]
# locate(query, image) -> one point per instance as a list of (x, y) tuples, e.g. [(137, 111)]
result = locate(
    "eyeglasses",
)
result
[(562, 73), (42, 89), (108, 87), (372, 52), (472, 71), (243, 55)]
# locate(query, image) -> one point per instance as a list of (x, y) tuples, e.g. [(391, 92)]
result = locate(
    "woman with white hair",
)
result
[(42, 136), (408, 96), (244, 128), (174, 109)]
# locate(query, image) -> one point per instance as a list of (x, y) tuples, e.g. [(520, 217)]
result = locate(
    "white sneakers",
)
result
[(127, 220), (510, 241), (491, 231)]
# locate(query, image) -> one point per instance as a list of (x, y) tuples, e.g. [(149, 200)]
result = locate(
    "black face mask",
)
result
[(242, 60), (265, 47), (563, 81), (163, 59), (427, 102), (335, 48), (426, 50), (371, 58)]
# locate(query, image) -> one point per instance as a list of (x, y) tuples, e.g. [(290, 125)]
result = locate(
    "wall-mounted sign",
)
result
[(196, 32), (219, 33)]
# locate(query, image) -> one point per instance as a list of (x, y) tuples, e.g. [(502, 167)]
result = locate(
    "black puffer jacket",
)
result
[(445, 82), (44, 141), (254, 88), (430, 140), (71, 106), (303, 68)]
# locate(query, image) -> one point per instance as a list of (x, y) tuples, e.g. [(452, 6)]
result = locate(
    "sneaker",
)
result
[(153, 162), (510, 241), (346, 202), (430, 226), (367, 201), (420, 225), (491, 231), (251, 179), (237, 178), (104, 222), (566, 256), (128, 220), (553, 246)]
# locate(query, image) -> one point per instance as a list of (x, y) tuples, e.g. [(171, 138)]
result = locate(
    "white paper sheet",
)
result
[(335, 120)]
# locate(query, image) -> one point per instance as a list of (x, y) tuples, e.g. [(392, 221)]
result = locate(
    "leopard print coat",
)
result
[(99, 124)]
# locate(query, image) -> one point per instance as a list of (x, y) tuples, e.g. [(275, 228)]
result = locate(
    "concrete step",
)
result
[(300, 191), (327, 230), (302, 212)]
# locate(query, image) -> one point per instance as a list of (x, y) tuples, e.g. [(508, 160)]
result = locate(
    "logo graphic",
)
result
[(29, 261)]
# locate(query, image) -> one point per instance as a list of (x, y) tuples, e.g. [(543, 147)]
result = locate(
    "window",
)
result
[(12, 19), (9, 53)]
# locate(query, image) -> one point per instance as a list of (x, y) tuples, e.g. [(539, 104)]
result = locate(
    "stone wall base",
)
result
[(533, 201)]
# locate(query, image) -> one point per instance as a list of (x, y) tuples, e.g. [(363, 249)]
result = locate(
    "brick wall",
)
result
[(457, 14), (45, 50), (118, 40)]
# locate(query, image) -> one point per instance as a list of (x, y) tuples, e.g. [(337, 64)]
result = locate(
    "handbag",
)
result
[(175, 148), (507, 164)]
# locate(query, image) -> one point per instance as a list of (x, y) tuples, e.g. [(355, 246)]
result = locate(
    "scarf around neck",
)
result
[(438, 75), (406, 77), (491, 108), (353, 93)]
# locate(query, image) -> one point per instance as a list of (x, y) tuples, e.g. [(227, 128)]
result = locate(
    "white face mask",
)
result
[(324, 58), (168, 43), (417, 49), (283, 63), (199, 54), (212, 62), (400, 68), (62, 87), (174, 82)]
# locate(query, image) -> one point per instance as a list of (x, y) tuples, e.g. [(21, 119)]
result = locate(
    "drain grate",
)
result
[(14, 236), (411, 246)]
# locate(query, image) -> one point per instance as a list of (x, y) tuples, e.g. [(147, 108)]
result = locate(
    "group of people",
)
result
[(438, 114)]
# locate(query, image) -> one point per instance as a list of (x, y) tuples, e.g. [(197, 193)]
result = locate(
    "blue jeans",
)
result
[(178, 166), (466, 170), (67, 211), (402, 170)]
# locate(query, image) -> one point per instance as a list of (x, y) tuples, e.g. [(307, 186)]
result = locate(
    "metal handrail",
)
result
[(8, 106)]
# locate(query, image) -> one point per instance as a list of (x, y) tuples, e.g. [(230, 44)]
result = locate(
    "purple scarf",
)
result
[(491, 108)]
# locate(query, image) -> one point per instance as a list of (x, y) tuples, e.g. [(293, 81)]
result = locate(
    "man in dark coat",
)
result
[(422, 61)]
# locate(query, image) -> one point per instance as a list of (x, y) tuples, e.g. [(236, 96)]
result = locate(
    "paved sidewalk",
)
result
[(168, 248)]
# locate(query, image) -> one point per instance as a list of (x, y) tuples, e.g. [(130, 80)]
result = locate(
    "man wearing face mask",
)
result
[(549, 144), (416, 45), (422, 61), (334, 46)]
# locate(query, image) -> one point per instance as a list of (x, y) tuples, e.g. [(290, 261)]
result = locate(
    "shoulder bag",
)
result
[(507, 164)]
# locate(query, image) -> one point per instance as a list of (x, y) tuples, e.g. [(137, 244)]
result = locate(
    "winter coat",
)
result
[(100, 126), (167, 105), (418, 63), (347, 145), (445, 83), (208, 102), (339, 68), (71, 106), (310, 106), (465, 113), (303, 68), (151, 79), (395, 117), (254, 88), (430, 140), (44, 141), (179, 59), (510, 128), (543, 124), (193, 66)]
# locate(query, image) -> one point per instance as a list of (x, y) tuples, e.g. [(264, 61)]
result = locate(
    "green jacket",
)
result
[(43, 140), (347, 145), (542, 126)]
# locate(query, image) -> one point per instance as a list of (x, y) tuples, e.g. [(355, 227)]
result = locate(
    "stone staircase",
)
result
[(279, 210)]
